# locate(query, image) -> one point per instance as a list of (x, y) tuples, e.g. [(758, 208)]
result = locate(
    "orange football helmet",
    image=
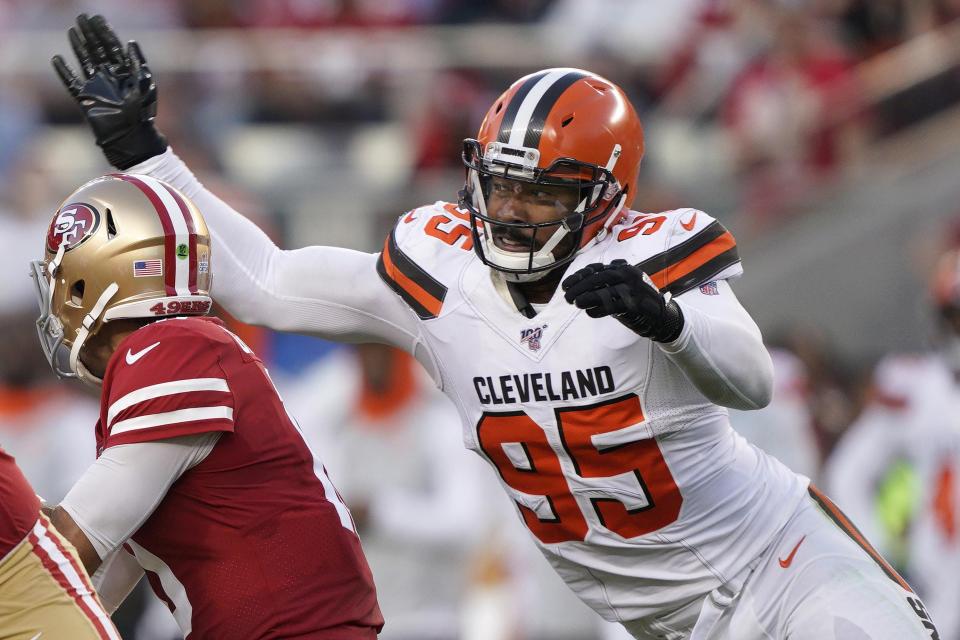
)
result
[(120, 246), (563, 128)]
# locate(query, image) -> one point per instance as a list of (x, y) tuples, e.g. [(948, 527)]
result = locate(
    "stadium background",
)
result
[(824, 133)]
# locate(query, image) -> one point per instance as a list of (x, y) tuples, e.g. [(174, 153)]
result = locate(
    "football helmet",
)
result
[(559, 129), (120, 246)]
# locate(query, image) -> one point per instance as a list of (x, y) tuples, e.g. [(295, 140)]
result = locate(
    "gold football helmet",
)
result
[(120, 246)]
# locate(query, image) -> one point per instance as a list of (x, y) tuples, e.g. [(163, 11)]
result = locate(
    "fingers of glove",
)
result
[(578, 276), (608, 300), (133, 50), (67, 76), (108, 39), (588, 278), (80, 50), (95, 48)]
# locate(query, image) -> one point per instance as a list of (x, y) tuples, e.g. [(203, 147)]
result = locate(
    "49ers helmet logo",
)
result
[(74, 223)]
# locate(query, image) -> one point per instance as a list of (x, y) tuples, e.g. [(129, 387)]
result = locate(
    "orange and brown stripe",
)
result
[(693, 261), (841, 520), (423, 293)]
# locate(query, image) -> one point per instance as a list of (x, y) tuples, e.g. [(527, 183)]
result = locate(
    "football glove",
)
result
[(117, 92), (621, 290)]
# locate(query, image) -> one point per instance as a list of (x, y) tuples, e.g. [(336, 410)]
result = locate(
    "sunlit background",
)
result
[(825, 134)]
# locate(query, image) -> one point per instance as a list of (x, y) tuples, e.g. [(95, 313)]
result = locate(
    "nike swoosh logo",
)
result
[(689, 224), (786, 562), (133, 357), (37, 636)]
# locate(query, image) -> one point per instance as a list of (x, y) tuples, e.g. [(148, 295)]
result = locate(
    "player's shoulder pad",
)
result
[(423, 254), (166, 346), (679, 250)]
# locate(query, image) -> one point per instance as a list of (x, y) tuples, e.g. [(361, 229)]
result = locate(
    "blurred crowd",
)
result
[(752, 107)]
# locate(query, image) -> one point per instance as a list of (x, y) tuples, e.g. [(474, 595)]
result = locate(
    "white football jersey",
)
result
[(633, 484)]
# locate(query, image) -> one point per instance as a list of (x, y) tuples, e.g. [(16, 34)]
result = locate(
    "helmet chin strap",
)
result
[(84, 332)]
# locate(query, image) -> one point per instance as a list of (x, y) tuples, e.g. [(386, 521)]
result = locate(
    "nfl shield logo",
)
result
[(710, 288), (532, 337)]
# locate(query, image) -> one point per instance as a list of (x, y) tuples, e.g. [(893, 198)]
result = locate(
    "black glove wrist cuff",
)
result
[(133, 147), (667, 330)]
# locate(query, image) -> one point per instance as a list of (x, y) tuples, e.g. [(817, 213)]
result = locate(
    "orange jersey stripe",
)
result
[(429, 302), (670, 274)]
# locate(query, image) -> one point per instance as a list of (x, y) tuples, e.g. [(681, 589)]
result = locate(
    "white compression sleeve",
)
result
[(329, 292), (120, 490), (721, 350), (116, 577)]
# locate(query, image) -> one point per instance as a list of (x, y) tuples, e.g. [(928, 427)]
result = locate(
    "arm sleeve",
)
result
[(328, 292), (721, 350), (115, 578), (119, 491)]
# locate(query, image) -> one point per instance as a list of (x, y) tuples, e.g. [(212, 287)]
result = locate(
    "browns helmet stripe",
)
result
[(534, 105), (415, 286), (539, 116), (506, 124)]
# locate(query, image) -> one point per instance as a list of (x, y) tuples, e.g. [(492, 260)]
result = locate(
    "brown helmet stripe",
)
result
[(506, 124), (545, 105)]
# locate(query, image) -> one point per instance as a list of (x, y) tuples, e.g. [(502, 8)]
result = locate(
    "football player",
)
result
[(44, 590), (911, 430), (202, 480), (590, 350)]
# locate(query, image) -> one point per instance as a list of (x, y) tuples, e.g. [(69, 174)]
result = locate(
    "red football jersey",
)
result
[(19, 505), (254, 541)]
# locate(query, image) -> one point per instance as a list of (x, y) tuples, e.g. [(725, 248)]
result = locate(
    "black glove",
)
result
[(623, 291), (117, 93)]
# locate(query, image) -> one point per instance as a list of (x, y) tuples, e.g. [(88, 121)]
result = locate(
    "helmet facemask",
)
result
[(582, 193)]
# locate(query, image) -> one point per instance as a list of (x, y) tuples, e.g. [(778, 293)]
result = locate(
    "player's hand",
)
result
[(116, 92), (623, 291)]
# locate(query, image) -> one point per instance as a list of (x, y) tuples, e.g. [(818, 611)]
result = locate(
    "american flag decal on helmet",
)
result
[(144, 268)]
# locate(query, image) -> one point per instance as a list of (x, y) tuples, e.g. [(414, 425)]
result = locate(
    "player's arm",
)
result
[(721, 351), (118, 574), (329, 292), (120, 490), (711, 338)]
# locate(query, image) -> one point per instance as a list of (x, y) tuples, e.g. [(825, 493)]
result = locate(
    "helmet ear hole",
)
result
[(76, 292), (111, 226)]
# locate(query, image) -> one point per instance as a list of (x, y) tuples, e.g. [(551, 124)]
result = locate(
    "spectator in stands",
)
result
[(792, 115)]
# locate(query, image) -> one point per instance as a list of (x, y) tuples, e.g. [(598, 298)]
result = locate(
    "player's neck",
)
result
[(542, 290), (96, 351)]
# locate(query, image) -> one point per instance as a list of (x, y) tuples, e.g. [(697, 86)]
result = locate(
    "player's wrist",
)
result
[(666, 327), (137, 145)]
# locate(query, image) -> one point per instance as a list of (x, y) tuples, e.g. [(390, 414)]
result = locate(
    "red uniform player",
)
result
[(202, 479)]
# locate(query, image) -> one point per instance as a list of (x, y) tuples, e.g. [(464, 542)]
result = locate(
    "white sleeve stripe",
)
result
[(165, 389), (172, 417)]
